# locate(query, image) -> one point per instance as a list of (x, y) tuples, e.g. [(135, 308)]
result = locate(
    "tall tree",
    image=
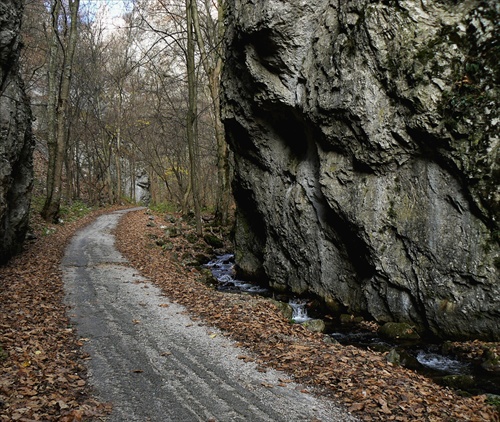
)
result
[(64, 32), (192, 113), (211, 59), (168, 22)]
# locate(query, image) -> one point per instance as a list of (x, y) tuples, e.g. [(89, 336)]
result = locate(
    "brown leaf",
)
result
[(356, 407), (62, 405), (245, 358)]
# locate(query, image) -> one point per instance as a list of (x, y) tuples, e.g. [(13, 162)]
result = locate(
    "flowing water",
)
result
[(222, 268), (299, 314), (427, 359), (423, 357), (442, 363)]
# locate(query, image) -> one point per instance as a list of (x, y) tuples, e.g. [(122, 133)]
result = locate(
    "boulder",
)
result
[(491, 361), (403, 358), (398, 332), (143, 187), (16, 140), (459, 382), (393, 357), (284, 308), (366, 148), (315, 325), (206, 277), (213, 241)]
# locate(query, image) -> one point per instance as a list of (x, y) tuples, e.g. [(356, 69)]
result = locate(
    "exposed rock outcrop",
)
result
[(143, 186), (367, 163), (16, 142)]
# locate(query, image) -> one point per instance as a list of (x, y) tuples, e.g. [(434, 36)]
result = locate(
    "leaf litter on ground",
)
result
[(362, 380), (43, 374)]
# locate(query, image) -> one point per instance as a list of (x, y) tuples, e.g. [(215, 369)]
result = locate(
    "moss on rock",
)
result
[(398, 331)]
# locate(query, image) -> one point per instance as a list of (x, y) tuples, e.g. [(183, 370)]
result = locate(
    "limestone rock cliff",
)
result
[(366, 144), (16, 143)]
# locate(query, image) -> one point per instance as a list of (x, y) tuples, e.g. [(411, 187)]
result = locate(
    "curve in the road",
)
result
[(152, 361)]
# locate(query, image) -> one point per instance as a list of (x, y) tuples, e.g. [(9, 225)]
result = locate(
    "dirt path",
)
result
[(152, 361)]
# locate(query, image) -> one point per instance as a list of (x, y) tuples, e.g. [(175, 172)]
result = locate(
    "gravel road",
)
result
[(153, 362)]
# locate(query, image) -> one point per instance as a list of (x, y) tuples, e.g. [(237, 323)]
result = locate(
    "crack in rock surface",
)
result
[(154, 363)]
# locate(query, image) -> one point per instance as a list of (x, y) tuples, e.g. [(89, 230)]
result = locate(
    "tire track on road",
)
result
[(153, 362)]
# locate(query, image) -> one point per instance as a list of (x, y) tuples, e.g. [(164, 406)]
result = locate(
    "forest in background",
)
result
[(116, 97)]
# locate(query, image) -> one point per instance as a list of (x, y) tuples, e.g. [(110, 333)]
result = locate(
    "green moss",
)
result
[(491, 361), (493, 400), (3, 354), (315, 325), (164, 207), (458, 382), (284, 308), (213, 240), (74, 211)]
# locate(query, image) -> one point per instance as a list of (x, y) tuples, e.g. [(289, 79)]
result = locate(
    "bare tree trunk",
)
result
[(132, 170), (213, 69), (69, 171), (52, 94), (192, 116), (108, 152), (77, 170), (50, 210), (118, 166)]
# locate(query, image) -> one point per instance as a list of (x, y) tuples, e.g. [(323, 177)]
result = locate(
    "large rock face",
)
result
[(366, 142), (16, 143)]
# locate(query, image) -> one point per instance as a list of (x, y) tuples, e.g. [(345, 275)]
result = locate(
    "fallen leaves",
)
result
[(356, 407), (42, 378), (362, 380)]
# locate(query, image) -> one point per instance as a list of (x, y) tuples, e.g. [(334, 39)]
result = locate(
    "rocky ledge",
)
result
[(365, 136)]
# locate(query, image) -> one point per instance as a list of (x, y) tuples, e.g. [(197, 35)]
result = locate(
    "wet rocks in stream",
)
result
[(222, 268), (398, 332)]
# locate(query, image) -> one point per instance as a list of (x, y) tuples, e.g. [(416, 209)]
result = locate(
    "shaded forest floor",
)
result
[(42, 366)]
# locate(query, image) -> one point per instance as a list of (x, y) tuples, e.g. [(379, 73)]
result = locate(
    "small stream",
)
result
[(299, 308), (425, 358), (222, 268)]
